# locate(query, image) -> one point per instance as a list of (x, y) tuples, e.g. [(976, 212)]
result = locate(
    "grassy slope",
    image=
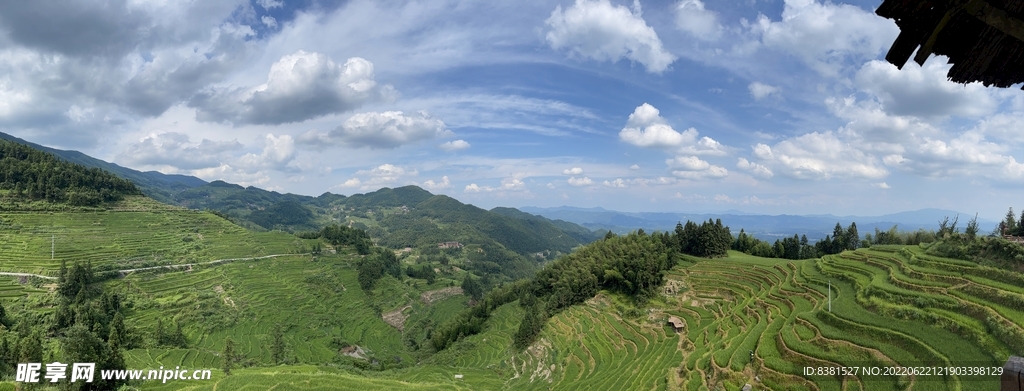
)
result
[(776, 308)]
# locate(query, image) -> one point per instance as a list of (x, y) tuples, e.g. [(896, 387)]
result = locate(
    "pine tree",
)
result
[(1011, 223), (229, 355), (277, 346), (852, 237), (972, 228)]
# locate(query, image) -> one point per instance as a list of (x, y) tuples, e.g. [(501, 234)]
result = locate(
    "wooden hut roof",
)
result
[(983, 39)]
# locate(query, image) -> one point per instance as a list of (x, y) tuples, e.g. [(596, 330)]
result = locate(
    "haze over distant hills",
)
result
[(767, 227), (239, 201)]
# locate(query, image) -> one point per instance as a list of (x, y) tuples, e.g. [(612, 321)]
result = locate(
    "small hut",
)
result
[(1013, 375), (676, 323)]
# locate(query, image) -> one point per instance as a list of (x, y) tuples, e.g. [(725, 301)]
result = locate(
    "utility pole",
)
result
[(829, 295)]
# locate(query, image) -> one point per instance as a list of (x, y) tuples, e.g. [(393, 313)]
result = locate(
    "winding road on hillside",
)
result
[(178, 266)]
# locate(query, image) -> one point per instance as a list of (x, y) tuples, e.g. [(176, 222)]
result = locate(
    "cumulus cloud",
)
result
[(598, 30), (826, 36), (353, 182), (881, 185), (659, 181), (572, 171), (754, 168), (231, 174), (381, 176), (692, 167), (819, 156), (277, 152), (444, 183), (177, 150), (693, 18), (269, 21), (456, 145), (760, 90), (924, 91), (646, 128), (384, 130), (634, 167), (618, 182), (513, 183), (299, 87), (580, 181), (268, 4)]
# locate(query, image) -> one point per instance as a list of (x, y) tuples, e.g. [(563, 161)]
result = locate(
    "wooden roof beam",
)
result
[(996, 18)]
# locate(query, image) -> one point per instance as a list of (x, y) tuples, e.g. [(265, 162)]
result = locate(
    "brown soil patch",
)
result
[(440, 294), (397, 318)]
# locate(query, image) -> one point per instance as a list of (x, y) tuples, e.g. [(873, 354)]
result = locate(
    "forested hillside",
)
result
[(27, 174), (156, 185)]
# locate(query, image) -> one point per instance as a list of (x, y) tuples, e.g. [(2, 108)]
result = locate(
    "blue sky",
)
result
[(761, 106)]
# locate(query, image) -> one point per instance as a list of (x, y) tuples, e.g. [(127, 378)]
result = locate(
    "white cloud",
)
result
[(754, 168), (693, 18), (760, 90), (691, 167), (581, 181), (443, 184), (383, 130), (819, 156), (513, 183), (659, 181), (381, 176), (572, 171), (231, 174), (601, 31), (177, 150), (268, 4), (618, 182), (456, 145), (634, 167), (827, 36), (924, 91), (269, 21), (881, 185), (353, 182), (299, 87), (688, 163), (277, 152), (646, 128)]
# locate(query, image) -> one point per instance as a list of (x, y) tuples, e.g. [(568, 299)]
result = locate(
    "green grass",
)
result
[(140, 232)]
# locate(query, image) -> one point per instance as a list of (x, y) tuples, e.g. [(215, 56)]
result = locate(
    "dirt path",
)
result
[(178, 266)]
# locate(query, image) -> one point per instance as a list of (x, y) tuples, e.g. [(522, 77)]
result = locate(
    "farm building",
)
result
[(449, 245), (983, 39), (677, 324)]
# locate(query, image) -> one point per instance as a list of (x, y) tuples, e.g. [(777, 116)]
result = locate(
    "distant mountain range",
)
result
[(264, 208), (766, 227)]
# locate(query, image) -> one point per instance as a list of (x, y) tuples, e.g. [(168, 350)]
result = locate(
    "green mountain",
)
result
[(154, 184)]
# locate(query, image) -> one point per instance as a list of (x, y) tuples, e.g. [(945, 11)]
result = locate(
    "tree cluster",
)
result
[(425, 272), (798, 247), (338, 235), (1011, 225), (708, 240), (31, 174), (379, 263)]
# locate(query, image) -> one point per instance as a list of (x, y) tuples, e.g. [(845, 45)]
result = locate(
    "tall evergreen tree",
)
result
[(229, 355), (1010, 222), (277, 345)]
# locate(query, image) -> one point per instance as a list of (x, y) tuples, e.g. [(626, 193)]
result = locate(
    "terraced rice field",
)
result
[(761, 321), (313, 301), (143, 232)]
